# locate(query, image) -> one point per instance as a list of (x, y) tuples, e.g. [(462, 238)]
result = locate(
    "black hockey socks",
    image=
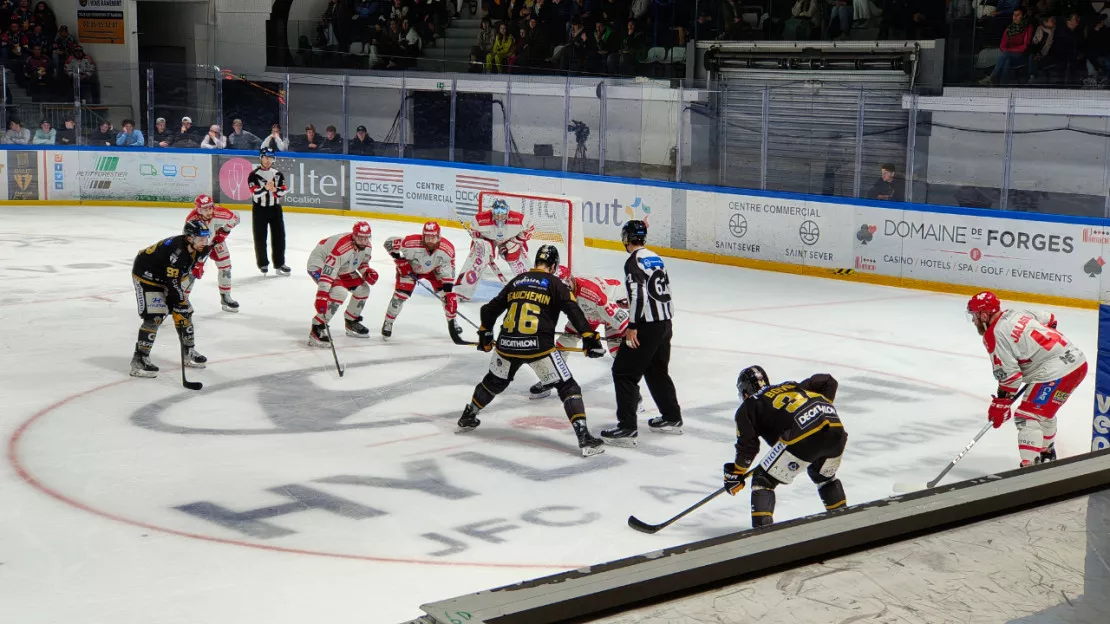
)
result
[(832, 494), (184, 325), (147, 333), (763, 507)]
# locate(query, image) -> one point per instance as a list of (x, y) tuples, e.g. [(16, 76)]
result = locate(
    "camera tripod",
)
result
[(578, 163)]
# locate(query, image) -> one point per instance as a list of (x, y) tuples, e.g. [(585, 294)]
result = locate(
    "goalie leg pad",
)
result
[(518, 266), (470, 273), (832, 494)]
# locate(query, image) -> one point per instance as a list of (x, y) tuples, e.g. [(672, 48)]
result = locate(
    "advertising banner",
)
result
[(766, 228), (22, 175), (434, 192), (1045, 257), (1100, 435), (163, 176), (313, 182), (606, 206)]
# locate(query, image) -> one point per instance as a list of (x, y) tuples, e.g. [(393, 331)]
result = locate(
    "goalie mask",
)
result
[(500, 210)]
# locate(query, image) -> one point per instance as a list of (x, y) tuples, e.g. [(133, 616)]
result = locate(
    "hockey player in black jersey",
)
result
[(157, 274), (800, 424), (532, 302)]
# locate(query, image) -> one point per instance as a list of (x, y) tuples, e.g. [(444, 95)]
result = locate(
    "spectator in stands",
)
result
[(518, 59), (240, 139), (90, 83), (614, 12), (575, 53), (38, 38), (68, 134), (332, 142), (559, 21), (604, 53), (502, 47), (1042, 60), (366, 13), (497, 9), (483, 47), (274, 140), (1097, 51), (840, 19), (538, 48), (362, 144), (1070, 44), (633, 50), (704, 27), (103, 135), (1015, 43), (12, 44), (805, 22), (185, 138), (44, 16), (161, 137), (888, 187), (39, 76), (410, 41), (215, 139), (45, 135), (399, 11), (310, 142), (63, 48), (16, 134), (131, 136)]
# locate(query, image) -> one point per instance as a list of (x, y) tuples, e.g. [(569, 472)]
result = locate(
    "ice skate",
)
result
[(265, 268), (590, 445), (318, 337), (142, 367), (355, 328), (228, 304), (617, 436), (662, 425), (469, 419), (387, 329), (284, 271), (194, 359), (1047, 455), (539, 391)]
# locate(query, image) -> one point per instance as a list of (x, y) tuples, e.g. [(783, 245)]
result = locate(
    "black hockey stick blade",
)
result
[(334, 355), (643, 527), (189, 385)]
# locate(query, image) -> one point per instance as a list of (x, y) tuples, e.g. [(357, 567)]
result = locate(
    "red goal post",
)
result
[(557, 219)]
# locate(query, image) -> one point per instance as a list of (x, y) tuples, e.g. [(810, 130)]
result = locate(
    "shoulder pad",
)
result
[(515, 218), (413, 241), (446, 247), (484, 218), (343, 245)]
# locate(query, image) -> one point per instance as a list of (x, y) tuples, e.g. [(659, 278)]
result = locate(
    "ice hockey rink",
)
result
[(282, 493)]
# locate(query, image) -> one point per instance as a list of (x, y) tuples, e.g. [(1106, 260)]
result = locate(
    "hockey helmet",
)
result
[(984, 302), (431, 229), (204, 203), (634, 232), (360, 234), (500, 209), (197, 229), (751, 380), (548, 255), (267, 152)]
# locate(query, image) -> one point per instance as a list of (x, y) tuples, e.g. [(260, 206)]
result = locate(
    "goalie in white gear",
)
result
[(425, 256), (498, 232), (339, 265), (1025, 347)]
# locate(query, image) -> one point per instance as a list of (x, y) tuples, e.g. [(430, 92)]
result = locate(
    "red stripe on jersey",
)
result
[(590, 291), (446, 247), (223, 213), (343, 245)]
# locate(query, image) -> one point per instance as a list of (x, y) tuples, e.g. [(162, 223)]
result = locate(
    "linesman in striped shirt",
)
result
[(267, 186), (646, 351)]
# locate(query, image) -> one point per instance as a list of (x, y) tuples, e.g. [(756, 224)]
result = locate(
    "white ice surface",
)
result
[(98, 464)]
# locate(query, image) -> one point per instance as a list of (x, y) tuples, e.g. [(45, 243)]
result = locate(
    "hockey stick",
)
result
[(189, 385), (903, 487), (334, 355), (644, 527), (436, 295)]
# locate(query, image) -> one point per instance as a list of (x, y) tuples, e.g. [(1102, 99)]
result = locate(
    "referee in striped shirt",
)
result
[(646, 350)]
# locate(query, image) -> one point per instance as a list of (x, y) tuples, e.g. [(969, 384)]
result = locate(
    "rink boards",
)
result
[(1037, 257)]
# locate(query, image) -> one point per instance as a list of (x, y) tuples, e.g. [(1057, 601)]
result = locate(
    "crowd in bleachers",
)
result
[(1059, 42), (42, 55)]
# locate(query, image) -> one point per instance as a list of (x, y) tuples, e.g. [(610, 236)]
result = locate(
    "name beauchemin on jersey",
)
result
[(529, 295)]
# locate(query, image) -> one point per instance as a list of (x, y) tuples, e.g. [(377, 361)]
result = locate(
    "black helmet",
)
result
[(196, 227), (751, 379), (634, 232), (548, 255), (267, 151)]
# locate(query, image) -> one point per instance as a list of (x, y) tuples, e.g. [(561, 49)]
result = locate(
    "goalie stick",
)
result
[(643, 527), (903, 487)]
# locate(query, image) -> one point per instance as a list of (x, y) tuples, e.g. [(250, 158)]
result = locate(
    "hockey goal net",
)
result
[(557, 220)]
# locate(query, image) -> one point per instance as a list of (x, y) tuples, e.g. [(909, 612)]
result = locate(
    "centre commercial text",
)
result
[(779, 209)]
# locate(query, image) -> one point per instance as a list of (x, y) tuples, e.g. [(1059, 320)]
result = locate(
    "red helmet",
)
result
[(203, 201), (362, 228), (431, 228), (563, 273), (985, 301)]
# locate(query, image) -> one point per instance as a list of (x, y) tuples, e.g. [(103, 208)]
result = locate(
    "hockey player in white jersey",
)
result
[(425, 256), (220, 222), (340, 265), (1025, 347), (603, 302), (498, 232)]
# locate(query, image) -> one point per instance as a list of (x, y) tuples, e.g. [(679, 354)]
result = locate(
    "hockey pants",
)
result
[(351, 283), (1035, 416)]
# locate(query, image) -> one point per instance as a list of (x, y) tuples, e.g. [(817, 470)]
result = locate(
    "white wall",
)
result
[(118, 83), (241, 34)]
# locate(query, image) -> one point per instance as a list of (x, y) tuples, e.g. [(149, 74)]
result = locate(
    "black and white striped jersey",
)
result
[(257, 181), (649, 288)]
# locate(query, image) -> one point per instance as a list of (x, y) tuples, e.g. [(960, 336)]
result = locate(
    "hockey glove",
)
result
[(219, 237), (1052, 323), (734, 478), (450, 304), (322, 300), (371, 276), (999, 411), (591, 345), (198, 270), (485, 339)]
